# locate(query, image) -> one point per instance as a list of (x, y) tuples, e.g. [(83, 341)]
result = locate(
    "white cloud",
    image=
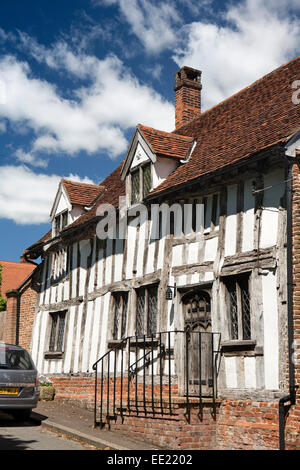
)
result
[(257, 37), (97, 116), (26, 197), (30, 159), (153, 23)]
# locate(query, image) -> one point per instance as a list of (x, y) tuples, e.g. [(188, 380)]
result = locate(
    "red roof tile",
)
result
[(167, 144), (82, 194), (253, 119), (13, 274), (114, 187)]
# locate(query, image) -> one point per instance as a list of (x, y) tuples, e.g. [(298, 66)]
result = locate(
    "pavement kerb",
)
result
[(95, 441)]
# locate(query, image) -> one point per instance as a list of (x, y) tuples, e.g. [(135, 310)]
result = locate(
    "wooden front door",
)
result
[(198, 343)]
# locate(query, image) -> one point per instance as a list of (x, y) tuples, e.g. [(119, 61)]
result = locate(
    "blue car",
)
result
[(19, 384)]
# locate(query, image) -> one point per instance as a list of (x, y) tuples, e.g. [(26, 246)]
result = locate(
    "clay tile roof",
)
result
[(166, 143), (13, 274), (82, 193), (114, 187), (253, 119)]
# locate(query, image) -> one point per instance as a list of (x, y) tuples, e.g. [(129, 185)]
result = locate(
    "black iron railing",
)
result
[(143, 374)]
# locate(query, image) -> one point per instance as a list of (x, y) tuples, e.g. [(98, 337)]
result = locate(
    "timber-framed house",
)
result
[(183, 338)]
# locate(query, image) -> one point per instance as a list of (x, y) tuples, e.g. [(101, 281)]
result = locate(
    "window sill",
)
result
[(116, 343), (238, 345), (53, 355)]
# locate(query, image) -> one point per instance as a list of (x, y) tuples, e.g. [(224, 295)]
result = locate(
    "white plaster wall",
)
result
[(231, 221), (250, 372), (270, 318), (69, 341), (140, 156), (275, 187), (162, 169), (85, 251), (231, 372), (210, 251), (130, 251), (248, 218), (63, 203)]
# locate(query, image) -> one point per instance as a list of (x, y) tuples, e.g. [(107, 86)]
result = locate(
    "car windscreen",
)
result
[(15, 359)]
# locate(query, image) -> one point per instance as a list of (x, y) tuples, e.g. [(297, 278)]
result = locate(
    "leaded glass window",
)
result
[(152, 311), (135, 186), (57, 331), (147, 180), (239, 307), (120, 314), (146, 311), (140, 312)]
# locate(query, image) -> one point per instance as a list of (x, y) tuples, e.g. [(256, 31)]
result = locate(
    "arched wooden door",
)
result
[(198, 347)]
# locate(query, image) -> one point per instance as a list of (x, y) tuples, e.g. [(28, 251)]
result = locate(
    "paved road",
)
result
[(31, 436)]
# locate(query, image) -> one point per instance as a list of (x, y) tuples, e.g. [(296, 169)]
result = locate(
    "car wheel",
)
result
[(21, 415)]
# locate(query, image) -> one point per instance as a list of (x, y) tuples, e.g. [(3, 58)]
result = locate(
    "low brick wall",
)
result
[(237, 425), (246, 424)]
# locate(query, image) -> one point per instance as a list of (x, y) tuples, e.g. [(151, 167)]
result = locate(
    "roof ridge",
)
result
[(226, 100), (169, 134), (80, 182)]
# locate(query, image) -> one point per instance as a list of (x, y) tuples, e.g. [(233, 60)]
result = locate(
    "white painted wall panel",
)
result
[(87, 338), (231, 221), (78, 339), (270, 312), (210, 250), (250, 372), (91, 285), (248, 218), (85, 251), (177, 255), (231, 372), (269, 221), (100, 265), (74, 270), (193, 253), (69, 341), (130, 251), (119, 259), (95, 332), (109, 261), (141, 249)]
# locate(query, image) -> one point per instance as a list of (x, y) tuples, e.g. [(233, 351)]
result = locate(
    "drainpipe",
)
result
[(289, 258)]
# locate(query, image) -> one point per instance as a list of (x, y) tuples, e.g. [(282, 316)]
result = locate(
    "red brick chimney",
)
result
[(187, 95)]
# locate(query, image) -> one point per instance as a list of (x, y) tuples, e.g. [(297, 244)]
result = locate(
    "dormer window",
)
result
[(147, 179), (135, 186), (141, 183), (61, 221)]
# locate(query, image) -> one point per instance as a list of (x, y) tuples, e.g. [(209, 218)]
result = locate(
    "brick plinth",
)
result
[(237, 424)]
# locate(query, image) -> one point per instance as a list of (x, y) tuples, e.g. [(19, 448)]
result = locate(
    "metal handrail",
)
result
[(161, 342)]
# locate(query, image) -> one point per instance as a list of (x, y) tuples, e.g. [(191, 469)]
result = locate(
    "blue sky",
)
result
[(76, 77)]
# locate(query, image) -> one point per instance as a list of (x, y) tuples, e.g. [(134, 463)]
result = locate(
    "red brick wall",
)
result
[(21, 305), (239, 424), (11, 317), (246, 424), (28, 302), (296, 272)]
